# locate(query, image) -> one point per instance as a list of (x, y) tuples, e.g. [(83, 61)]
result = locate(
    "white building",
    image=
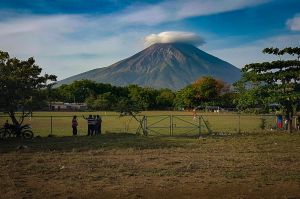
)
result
[(61, 106)]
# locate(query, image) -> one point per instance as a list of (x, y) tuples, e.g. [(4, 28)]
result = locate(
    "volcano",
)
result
[(162, 65)]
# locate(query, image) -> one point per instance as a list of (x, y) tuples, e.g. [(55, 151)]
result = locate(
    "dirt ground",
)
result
[(110, 166)]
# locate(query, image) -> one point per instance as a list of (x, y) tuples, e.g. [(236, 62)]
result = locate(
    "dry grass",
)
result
[(129, 166)]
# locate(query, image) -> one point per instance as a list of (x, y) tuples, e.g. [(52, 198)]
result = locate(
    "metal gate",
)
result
[(159, 124), (187, 125), (184, 125)]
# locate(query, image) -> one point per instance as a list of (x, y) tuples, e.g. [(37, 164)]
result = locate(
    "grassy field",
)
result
[(118, 165), (159, 122)]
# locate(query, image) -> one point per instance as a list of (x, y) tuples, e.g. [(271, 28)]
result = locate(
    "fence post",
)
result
[(51, 125), (170, 124), (145, 123), (199, 123), (239, 123), (172, 130)]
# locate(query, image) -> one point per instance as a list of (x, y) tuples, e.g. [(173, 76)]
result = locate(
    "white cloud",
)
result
[(174, 36), (147, 15), (173, 10), (294, 23), (66, 45), (191, 8), (31, 23), (252, 52)]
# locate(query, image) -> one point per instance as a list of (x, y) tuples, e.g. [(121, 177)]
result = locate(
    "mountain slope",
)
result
[(168, 65)]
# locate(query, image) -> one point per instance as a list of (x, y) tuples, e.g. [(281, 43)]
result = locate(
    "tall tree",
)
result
[(250, 97), (106, 101), (204, 91), (279, 80), (145, 97), (20, 86), (165, 98), (209, 89), (185, 98)]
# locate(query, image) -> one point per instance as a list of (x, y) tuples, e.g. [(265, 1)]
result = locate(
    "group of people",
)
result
[(284, 122), (94, 125)]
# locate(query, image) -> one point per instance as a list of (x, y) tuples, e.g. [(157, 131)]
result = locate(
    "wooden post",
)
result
[(172, 125), (239, 124), (51, 126), (199, 123)]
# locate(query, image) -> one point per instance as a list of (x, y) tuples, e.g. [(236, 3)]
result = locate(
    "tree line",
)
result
[(99, 96)]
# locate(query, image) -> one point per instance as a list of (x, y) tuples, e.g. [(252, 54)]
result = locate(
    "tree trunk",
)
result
[(13, 118)]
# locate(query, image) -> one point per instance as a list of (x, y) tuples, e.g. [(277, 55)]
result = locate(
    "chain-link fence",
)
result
[(173, 125), (61, 125), (213, 123)]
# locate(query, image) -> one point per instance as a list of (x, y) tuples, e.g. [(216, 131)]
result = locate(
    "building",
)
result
[(61, 106)]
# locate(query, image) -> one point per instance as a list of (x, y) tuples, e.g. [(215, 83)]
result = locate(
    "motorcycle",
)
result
[(16, 131)]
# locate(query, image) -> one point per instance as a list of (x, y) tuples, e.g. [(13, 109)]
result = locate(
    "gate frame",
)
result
[(151, 127), (172, 125)]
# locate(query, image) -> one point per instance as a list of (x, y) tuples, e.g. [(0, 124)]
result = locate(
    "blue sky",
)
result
[(67, 37)]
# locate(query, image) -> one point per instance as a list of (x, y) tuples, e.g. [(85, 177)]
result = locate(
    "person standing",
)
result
[(94, 130), (90, 122), (286, 121), (74, 125), (279, 121), (99, 120), (96, 125), (194, 115)]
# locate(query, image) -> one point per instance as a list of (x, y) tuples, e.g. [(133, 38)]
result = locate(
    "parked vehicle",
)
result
[(16, 131)]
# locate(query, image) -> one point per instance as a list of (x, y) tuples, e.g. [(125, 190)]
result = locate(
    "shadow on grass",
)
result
[(83, 143), (110, 141)]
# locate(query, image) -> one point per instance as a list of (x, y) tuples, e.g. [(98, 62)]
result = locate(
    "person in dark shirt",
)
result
[(90, 122), (99, 124), (94, 128)]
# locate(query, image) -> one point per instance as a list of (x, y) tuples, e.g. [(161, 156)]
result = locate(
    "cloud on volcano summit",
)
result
[(174, 37)]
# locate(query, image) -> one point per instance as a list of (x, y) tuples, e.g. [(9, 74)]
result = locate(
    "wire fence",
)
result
[(171, 125)]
